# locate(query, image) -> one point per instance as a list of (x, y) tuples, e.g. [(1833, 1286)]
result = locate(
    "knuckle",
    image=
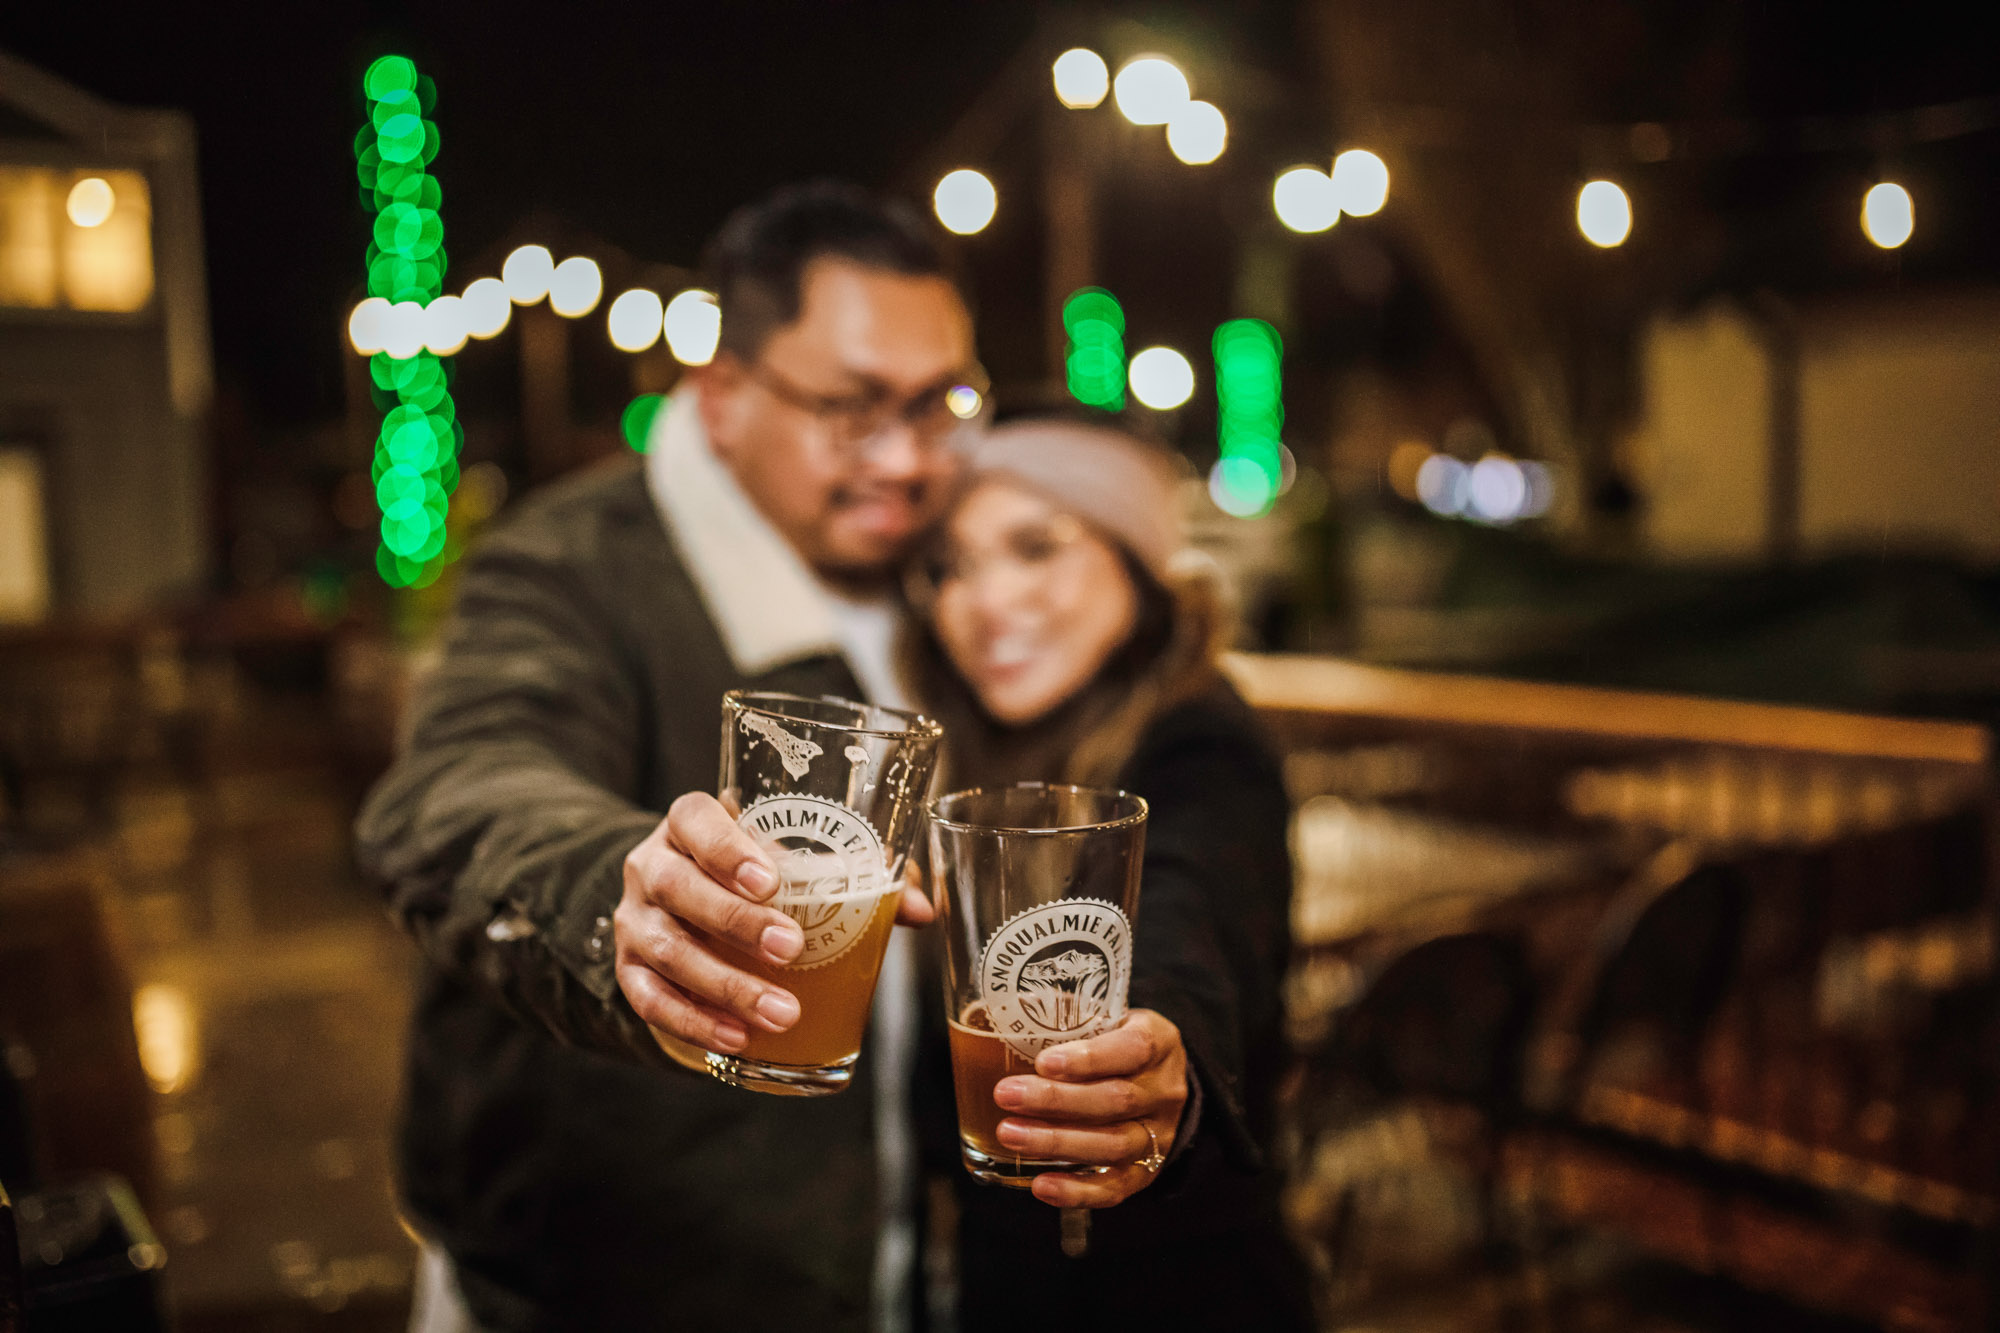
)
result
[(670, 950), (1149, 1046), (742, 992), (739, 919), (1124, 1097)]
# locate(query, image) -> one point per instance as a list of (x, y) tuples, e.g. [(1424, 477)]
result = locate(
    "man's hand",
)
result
[(696, 884), (1092, 1101)]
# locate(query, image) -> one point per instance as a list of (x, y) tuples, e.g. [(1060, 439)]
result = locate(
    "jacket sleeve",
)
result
[(502, 827), (1213, 928)]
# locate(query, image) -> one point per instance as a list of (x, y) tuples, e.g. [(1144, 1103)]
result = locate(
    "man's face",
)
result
[(796, 428)]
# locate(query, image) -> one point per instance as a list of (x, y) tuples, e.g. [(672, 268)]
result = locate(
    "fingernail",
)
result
[(782, 942), (731, 1036), (1052, 1064), (778, 1009), (756, 879), (1017, 1135), (1010, 1092)]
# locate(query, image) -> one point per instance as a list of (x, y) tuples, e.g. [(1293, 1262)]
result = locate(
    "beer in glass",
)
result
[(833, 790), (1038, 890)]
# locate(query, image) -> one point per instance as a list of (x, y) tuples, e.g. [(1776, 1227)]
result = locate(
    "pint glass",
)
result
[(1038, 890), (834, 792)]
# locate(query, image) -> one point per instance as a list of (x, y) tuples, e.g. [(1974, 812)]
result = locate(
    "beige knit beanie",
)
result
[(1114, 481)]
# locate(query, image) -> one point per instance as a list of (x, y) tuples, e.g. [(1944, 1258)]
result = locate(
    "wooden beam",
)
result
[(1305, 684)]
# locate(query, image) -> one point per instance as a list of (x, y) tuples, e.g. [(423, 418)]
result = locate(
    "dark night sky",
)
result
[(644, 123)]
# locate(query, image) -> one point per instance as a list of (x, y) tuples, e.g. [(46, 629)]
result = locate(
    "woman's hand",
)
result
[(1093, 1101)]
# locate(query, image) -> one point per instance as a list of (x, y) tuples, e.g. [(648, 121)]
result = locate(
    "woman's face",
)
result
[(1031, 602)]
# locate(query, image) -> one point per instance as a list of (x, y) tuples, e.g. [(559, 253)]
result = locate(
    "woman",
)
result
[(1064, 633)]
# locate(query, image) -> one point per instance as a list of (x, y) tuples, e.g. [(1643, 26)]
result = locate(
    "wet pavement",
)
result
[(271, 997)]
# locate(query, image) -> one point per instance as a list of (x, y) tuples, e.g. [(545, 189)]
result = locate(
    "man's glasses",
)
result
[(939, 416)]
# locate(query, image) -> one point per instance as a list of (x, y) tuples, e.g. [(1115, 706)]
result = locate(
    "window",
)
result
[(24, 564), (75, 239)]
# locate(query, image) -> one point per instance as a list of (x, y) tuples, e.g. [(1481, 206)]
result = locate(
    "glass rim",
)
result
[(918, 725), (1137, 816)]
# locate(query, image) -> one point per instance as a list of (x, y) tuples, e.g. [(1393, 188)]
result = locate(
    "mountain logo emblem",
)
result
[(831, 870), (1057, 973)]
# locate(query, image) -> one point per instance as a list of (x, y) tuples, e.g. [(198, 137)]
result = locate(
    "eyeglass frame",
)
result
[(826, 409)]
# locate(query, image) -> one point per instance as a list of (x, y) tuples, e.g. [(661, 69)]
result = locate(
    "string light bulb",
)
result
[(1197, 134), (1149, 90), (575, 287), (693, 325), (1603, 214), (1161, 378), (527, 273), (1360, 182), (1305, 200), (635, 320), (965, 201), (1082, 79), (1888, 216)]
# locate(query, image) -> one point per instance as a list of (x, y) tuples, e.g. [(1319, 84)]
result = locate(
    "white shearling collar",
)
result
[(762, 596)]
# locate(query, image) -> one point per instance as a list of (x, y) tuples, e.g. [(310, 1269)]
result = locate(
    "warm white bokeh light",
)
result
[(693, 324), (1360, 182), (576, 287), (635, 320), (1497, 490), (1442, 483), (1888, 215), (1305, 200), (403, 328), (1150, 89), (444, 325), (527, 273), (365, 326), (1603, 214), (91, 201), (1082, 79), (169, 1036), (965, 201), (487, 308), (1161, 378), (1197, 133), (964, 401)]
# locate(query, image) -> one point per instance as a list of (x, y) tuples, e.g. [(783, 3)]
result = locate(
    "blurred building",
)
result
[(105, 374), (1839, 425)]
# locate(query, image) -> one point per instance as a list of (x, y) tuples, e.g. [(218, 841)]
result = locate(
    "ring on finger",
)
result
[(1154, 1158)]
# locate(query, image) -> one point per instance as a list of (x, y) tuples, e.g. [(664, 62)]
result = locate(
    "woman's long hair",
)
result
[(1169, 658)]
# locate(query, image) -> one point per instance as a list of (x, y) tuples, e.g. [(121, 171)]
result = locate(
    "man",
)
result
[(574, 1174), (566, 1170)]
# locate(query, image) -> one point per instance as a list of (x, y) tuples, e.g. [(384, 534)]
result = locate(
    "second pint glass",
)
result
[(834, 791), (1038, 887)]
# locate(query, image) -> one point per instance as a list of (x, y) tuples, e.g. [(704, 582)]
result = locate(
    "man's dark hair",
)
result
[(757, 261)]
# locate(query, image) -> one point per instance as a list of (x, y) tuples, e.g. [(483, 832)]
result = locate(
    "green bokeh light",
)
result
[(415, 469), (388, 108), (1094, 365), (1250, 422), (401, 138), (636, 421), (1242, 488), (388, 75), (1093, 303)]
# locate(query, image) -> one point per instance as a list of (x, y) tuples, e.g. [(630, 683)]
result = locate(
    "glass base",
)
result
[(783, 1080), (1017, 1172)]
